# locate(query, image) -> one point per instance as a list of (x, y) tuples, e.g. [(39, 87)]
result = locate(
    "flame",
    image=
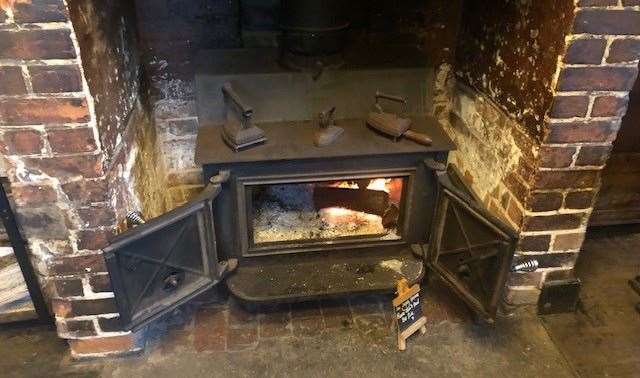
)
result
[(379, 184), (393, 186), (8, 5)]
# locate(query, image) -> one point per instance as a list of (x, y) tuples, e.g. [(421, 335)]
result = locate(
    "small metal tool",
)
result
[(328, 132)]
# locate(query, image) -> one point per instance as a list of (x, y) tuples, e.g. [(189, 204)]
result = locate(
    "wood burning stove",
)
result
[(301, 221)]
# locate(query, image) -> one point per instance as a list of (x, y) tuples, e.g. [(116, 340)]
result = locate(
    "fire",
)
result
[(342, 216), (382, 184), (379, 184)]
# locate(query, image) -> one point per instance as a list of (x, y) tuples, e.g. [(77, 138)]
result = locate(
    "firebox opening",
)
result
[(325, 211)]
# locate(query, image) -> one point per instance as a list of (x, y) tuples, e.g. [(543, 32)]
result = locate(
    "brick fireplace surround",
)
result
[(83, 141)]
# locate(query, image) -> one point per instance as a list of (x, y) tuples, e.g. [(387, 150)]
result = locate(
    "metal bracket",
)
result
[(226, 267), (222, 177)]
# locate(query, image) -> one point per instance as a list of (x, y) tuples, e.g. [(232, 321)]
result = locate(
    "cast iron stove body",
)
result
[(275, 261), (299, 222)]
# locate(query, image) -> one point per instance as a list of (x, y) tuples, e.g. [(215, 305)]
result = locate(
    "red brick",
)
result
[(72, 140), (609, 106), (43, 111), (40, 11), (606, 21), (61, 308), (21, 142), (54, 79), (275, 321), (113, 344), (98, 306), (534, 243), (569, 106), (553, 222), (79, 264), (11, 81), (579, 200), (100, 283), (585, 51), (88, 166), (545, 201), (242, 338), (515, 213), (94, 239), (593, 155), (46, 222), (583, 132), (597, 78), (630, 3), (556, 157), (624, 50), (36, 44), (308, 326), (518, 188), (567, 179), (111, 324), (210, 332), (86, 191), (68, 287), (566, 242), (33, 195), (96, 216), (77, 328)]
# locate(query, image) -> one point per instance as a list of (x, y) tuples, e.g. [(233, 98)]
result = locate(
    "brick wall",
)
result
[(590, 98), (65, 149), (542, 178)]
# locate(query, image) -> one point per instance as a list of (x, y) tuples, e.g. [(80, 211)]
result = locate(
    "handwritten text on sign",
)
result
[(408, 311)]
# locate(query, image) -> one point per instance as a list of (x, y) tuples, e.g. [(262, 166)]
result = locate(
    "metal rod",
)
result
[(22, 257)]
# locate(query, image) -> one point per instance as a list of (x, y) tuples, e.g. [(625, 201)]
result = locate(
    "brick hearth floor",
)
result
[(353, 337)]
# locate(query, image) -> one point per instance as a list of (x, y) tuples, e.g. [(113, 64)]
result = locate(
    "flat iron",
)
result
[(238, 131), (392, 124)]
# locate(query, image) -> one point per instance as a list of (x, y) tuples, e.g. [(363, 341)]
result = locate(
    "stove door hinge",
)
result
[(419, 250), (222, 177), (435, 165), (226, 267)]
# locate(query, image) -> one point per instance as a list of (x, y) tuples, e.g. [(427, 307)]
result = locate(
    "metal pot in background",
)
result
[(314, 27)]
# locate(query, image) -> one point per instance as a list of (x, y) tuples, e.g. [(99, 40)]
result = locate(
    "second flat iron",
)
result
[(392, 124)]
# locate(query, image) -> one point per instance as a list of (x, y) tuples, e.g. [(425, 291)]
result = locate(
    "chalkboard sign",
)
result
[(408, 312), (408, 309)]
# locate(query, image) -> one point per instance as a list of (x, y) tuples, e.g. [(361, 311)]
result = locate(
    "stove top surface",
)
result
[(294, 140)]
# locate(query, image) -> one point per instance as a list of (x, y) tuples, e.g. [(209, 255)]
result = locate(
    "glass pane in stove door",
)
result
[(319, 211)]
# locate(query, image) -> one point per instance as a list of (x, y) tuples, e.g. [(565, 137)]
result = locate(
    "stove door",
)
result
[(163, 263), (470, 249)]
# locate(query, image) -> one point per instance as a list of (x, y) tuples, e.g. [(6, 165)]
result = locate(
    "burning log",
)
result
[(369, 201)]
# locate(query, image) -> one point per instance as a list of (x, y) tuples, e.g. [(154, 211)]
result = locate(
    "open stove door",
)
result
[(470, 249), (163, 263)]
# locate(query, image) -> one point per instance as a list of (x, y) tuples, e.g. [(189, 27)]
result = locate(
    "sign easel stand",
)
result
[(408, 308)]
